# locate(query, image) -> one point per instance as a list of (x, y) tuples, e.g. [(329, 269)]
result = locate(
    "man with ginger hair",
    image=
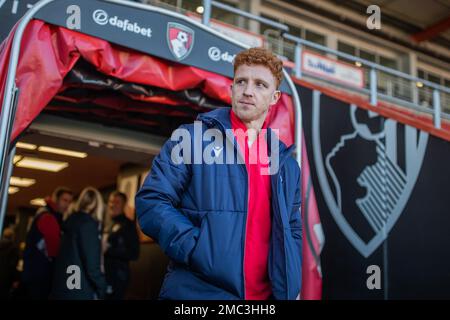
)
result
[(231, 230)]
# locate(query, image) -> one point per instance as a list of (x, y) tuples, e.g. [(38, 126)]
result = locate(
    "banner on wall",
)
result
[(380, 187), (326, 68)]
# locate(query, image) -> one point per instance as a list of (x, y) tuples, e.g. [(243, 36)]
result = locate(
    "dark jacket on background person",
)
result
[(197, 213), (42, 247), (123, 247), (80, 247), (9, 256)]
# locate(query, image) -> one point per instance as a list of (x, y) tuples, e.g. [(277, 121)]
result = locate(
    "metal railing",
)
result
[(386, 83), (381, 83), (208, 4)]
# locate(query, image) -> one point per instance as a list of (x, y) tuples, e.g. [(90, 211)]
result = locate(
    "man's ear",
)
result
[(275, 97)]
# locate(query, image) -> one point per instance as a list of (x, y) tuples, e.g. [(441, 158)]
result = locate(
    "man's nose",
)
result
[(248, 90)]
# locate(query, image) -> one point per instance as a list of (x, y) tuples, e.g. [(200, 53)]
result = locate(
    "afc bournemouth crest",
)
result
[(366, 172), (180, 39)]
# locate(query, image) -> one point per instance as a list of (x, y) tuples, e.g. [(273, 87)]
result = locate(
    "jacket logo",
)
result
[(180, 39), (369, 194), (217, 151)]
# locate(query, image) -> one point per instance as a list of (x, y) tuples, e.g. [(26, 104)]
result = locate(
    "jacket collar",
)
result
[(220, 117), (51, 205)]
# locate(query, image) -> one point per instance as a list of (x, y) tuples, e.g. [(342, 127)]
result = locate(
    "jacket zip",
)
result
[(245, 233), (278, 209), (246, 214), (246, 205)]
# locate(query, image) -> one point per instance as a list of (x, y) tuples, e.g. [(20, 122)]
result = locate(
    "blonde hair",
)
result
[(91, 201)]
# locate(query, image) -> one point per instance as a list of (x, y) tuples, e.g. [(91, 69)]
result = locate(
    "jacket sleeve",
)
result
[(129, 249), (295, 222), (157, 202), (51, 231), (90, 249)]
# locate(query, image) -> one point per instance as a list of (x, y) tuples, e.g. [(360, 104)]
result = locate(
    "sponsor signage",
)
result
[(102, 18), (152, 30), (326, 68)]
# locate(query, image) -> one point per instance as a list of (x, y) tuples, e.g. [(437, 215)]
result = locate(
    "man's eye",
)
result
[(261, 85)]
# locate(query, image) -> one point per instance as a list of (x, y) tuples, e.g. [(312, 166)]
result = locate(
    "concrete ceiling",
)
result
[(99, 169)]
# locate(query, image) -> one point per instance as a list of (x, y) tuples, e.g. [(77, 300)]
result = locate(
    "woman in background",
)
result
[(78, 270)]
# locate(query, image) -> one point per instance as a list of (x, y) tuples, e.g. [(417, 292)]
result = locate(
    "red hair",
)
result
[(263, 57)]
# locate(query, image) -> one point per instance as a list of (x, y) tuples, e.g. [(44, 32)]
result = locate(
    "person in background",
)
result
[(9, 256), (78, 271), (42, 245), (121, 246)]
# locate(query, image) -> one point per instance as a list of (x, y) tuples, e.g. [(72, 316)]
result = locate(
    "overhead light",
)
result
[(358, 64), (200, 9), (419, 84), (42, 164), (63, 152), (12, 190), (16, 158), (21, 182), (27, 146), (40, 202), (94, 144)]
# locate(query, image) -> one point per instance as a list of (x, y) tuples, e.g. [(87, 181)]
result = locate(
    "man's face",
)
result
[(64, 202), (253, 92), (115, 206)]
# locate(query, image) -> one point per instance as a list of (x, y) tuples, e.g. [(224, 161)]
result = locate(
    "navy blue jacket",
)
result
[(197, 213), (80, 246)]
